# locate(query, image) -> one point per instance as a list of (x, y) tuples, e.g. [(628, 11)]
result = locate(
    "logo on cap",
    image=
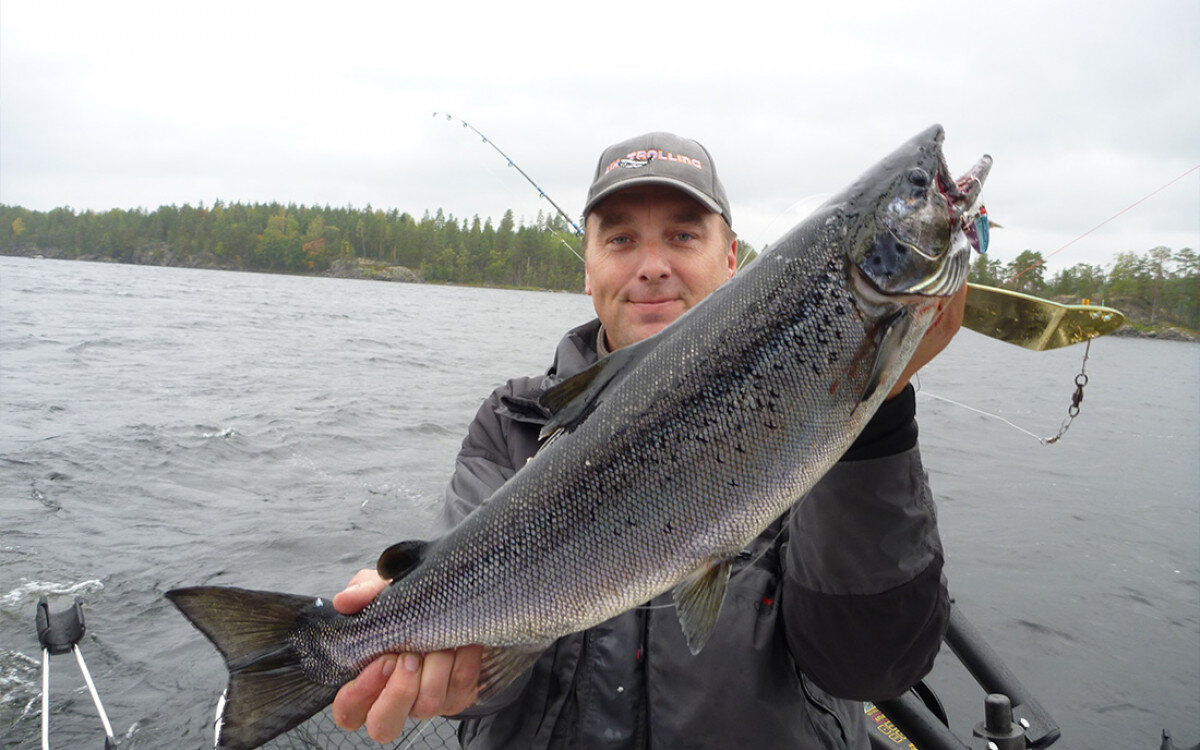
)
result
[(630, 163), (639, 159)]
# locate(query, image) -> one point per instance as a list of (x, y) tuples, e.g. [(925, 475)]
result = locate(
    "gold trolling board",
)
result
[(1035, 323)]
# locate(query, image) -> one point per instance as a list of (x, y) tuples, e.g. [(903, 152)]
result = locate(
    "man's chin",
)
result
[(639, 331)]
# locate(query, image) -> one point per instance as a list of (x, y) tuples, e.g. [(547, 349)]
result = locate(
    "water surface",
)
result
[(165, 427)]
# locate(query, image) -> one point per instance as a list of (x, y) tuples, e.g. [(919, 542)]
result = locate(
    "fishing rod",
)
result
[(530, 180), (745, 257)]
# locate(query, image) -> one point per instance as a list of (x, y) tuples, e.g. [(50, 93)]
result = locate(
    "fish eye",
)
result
[(918, 177)]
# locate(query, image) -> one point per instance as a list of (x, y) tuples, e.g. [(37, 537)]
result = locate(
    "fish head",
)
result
[(924, 222)]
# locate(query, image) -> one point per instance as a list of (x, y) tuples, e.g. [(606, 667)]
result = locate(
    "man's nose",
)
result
[(654, 265)]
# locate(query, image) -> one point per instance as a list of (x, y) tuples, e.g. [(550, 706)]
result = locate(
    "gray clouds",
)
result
[(1085, 108)]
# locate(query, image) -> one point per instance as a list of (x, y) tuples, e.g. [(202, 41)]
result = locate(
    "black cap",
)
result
[(659, 159)]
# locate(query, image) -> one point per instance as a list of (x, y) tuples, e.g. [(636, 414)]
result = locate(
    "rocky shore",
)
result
[(1165, 333), (361, 268)]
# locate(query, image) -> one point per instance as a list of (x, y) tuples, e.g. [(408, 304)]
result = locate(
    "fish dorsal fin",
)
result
[(398, 560), (698, 601), (572, 400), (889, 338), (502, 666)]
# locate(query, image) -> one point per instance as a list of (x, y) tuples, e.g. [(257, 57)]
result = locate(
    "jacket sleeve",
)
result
[(490, 454), (494, 448), (864, 600)]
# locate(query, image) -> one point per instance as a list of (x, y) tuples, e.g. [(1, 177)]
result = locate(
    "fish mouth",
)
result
[(925, 229), (966, 190)]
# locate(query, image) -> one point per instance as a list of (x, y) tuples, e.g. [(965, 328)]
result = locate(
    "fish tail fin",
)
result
[(269, 692)]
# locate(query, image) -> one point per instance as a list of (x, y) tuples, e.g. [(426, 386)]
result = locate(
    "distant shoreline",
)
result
[(370, 270)]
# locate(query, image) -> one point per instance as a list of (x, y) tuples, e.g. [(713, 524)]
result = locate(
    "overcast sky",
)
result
[(1085, 107)]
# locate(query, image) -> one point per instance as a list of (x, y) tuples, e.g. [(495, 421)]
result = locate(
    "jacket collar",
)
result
[(575, 353)]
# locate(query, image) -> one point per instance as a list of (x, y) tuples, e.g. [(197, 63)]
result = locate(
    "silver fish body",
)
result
[(668, 457)]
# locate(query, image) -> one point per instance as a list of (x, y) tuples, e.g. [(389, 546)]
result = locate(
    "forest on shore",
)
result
[(1156, 287), (279, 238)]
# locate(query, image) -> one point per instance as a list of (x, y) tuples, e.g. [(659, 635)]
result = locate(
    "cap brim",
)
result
[(679, 185)]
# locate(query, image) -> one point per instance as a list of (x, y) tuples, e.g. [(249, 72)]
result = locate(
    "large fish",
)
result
[(663, 461)]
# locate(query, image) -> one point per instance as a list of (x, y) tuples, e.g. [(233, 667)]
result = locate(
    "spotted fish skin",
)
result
[(667, 457)]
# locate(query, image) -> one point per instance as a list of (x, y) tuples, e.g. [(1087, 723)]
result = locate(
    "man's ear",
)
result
[(587, 282), (733, 250)]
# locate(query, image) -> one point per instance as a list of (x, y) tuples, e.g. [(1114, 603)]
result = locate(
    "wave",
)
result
[(431, 428), (19, 689), (208, 433), (83, 346), (31, 590)]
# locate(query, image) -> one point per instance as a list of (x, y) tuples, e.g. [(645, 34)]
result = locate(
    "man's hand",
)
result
[(947, 320), (395, 687)]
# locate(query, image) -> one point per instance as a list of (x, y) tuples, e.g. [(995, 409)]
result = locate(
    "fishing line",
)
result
[(1073, 410), (1081, 380), (1016, 427), (1085, 234), (798, 211)]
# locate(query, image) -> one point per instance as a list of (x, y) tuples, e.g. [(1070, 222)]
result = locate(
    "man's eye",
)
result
[(684, 236)]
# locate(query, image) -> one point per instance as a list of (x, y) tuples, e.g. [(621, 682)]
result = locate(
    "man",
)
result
[(839, 601)]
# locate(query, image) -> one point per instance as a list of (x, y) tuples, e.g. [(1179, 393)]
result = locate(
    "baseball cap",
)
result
[(659, 159)]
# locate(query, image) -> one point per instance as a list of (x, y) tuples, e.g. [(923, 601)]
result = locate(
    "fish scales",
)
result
[(668, 457), (720, 409)]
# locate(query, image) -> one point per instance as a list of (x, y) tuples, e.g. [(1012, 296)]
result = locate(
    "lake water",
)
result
[(164, 427)]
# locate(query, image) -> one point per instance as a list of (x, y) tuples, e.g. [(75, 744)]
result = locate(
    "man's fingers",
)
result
[(356, 697), (464, 680), (435, 678), (385, 719), (397, 687), (361, 591)]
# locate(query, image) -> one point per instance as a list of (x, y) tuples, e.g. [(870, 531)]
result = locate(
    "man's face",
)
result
[(652, 253)]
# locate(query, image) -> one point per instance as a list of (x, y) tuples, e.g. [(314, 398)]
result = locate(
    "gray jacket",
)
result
[(842, 596)]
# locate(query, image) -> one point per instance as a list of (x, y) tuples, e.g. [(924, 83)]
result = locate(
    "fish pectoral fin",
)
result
[(560, 396), (698, 601), (889, 338), (400, 559), (502, 666), (572, 400)]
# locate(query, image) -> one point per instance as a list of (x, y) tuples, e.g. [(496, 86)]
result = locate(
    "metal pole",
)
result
[(918, 724), (45, 699), (994, 676), (87, 677)]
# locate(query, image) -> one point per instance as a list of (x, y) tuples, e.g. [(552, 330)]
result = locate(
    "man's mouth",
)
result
[(657, 302)]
